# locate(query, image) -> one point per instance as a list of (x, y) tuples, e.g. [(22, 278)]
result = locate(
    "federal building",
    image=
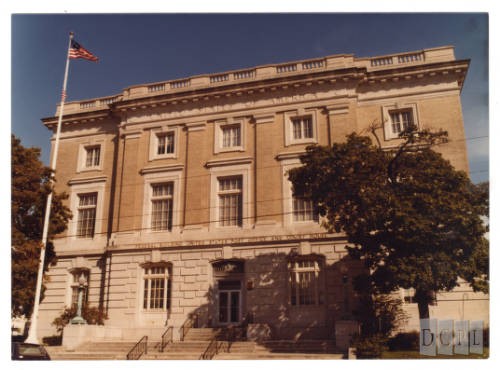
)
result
[(182, 209)]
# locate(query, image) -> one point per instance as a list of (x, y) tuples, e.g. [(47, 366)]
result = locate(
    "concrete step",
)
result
[(107, 346), (66, 355), (201, 334), (171, 356), (309, 346), (278, 356), (186, 347)]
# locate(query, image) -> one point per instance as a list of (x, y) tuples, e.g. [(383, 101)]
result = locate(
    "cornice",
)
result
[(167, 168), (80, 117), (458, 68), (247, 88), (290, 155), (209, 90), (88, 180), (228, 162)]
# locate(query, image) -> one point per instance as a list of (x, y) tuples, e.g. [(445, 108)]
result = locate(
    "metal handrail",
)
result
[(140, 348), (166, 338), (188, 324), (211, 350)]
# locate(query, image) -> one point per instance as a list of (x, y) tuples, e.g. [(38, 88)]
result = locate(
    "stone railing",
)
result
[(393, 60), (273, 70), (244, 74), (91, 104), (180, 83)]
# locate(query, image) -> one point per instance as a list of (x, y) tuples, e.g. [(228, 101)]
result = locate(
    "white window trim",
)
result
[(288, 116), (386, 117), (242, 170), (318, 284), (153, 142), (287, 192), (174, 177), (167, 276), (218, 135), (76, 190), (82, 155)]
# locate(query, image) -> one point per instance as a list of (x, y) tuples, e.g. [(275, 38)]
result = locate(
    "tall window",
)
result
[(303, 210), (231, 136), (157, 288), (304, 283), (302, 127), (92, 156), (162, 206), (165, 143), (400, 120), (75, 284), (87, 205), (230, 201)]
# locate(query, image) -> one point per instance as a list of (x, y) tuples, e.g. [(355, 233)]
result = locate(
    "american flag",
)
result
[(78, 51)]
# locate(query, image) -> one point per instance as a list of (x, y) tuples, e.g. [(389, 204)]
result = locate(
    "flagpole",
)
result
[(32, 336)]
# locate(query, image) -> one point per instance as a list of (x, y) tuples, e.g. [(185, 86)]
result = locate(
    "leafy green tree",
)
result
[(30, 188), (411, 217)]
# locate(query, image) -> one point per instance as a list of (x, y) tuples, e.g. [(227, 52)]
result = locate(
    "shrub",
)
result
[(370, 346), (54, 340), (404, 342), (93, 316)]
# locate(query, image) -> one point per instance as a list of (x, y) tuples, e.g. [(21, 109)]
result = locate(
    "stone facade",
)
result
[(228, 242)]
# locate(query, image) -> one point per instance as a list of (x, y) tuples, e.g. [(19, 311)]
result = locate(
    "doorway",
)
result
[(229, 306)]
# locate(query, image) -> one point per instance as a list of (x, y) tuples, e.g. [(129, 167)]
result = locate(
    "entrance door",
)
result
[(229, 302)]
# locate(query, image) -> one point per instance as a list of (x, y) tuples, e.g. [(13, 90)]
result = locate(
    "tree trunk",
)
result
[(423, 298)]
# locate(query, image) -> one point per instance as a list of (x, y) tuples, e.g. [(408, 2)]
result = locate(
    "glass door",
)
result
[(229, 302)]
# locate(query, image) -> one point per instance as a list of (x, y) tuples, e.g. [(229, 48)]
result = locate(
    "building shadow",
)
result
[(283, 296)]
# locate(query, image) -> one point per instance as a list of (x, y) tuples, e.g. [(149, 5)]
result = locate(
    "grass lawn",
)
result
[(398, 355)]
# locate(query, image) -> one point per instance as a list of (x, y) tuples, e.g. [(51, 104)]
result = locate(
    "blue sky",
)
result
[(141, 48)]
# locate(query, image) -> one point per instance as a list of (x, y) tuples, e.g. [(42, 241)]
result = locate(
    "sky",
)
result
[(141, 48)]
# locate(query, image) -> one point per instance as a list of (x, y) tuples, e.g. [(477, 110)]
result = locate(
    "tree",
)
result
[(414, 220), (30, 188)]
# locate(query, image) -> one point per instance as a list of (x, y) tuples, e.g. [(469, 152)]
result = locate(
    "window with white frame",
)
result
[(92, 156), (302, 127), (156, 287), (400, 120), (305, 286), (296, 209), (162, 206), (398, 117), (231, 135), (165, 143), (86, 215), (76, 276), (230, 201), (303, 210)]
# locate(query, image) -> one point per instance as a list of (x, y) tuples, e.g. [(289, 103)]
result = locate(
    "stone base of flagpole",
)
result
[(31, 338)]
